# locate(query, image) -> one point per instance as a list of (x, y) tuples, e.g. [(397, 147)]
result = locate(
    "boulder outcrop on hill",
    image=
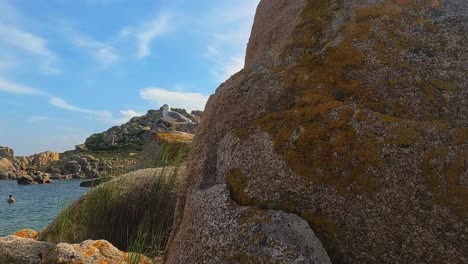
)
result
[(349, 121), (111, 152), (6, 152), (43, 158), (132, 135)]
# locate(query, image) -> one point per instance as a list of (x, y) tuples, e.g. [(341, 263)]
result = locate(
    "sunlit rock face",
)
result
[(349, 123)]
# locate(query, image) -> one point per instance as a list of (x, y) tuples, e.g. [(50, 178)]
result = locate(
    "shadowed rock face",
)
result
[(350, 116)]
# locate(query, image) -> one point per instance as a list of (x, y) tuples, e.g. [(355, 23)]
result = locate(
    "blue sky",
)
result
[(70, 68)]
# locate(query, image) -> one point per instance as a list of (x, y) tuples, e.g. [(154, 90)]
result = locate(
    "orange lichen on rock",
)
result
[(27, 233)]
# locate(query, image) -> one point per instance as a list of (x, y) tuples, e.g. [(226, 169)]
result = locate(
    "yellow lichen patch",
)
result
[(456, 190), (238, 183), (428, 167), (444, 180), (174, 137), (328, 150), (403, 135), (242, 258), (327, 231), (462, 136)]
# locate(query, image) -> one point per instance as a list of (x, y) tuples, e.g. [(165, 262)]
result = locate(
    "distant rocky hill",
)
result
[(132, 135), (109, 152)]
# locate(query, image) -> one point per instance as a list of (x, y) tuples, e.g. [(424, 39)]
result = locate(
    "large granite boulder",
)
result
[(10, 175), (6, 165), (34, 177), (15, 250), (43, 158), (350, 116)]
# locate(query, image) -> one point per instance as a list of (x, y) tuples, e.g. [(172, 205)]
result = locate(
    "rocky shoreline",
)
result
[(89, 251), (111, 152)]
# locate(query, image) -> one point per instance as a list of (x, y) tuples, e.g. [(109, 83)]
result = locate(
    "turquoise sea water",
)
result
[(36, 205)]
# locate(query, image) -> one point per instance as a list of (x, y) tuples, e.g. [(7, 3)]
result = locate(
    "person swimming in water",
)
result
[(11, 199)]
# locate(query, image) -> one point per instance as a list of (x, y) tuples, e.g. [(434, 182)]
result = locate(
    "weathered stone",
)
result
[(92, 252), (6, 152), (352, 115), (6, 165), (34, 177), (15, 250), (44, 158), (26, 180)]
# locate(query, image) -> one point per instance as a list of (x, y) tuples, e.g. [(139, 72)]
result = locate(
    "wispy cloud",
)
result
[(31, 44), (160, 96), (14, 88), (228, 37), (104, 53), (61, 103), (158, 26)]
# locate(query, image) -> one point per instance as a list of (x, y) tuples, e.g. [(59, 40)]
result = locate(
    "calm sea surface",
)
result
[(36, 205)]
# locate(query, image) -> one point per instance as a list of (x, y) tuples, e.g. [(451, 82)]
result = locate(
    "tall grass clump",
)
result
[(134, 212)]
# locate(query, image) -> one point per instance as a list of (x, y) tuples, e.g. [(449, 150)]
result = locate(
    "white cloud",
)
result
[(11, 87), (104, 53), (127, 115), (31, 44), (95, 114), (159, 96), (158, 26), (106, 116), (130, 113)]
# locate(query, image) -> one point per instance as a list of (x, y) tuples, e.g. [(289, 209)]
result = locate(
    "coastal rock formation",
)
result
[(136, 132), (111, 152), (77, 167), (14, 250), (350, 116), (6, 165), (36, 177), (6, 152), (43, 158), (13, 168)]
